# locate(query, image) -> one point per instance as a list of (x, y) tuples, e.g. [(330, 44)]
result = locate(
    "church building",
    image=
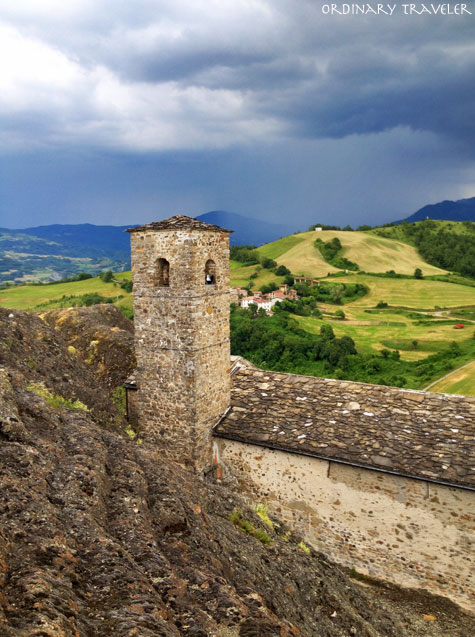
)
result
[(381, 479)]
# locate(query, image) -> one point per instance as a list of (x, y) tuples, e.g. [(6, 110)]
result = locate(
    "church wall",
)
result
[(410, 532)]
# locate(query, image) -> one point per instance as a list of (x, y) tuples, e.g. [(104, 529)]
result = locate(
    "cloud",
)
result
[(265, 107), (162, 74)]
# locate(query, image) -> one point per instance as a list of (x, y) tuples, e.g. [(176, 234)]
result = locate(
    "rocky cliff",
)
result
[(100, 536)]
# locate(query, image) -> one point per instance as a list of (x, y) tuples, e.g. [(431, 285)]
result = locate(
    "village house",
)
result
[(304, 279), (264, 301)]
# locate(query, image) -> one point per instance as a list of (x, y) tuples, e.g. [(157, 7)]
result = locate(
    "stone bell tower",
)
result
[(180, 273)]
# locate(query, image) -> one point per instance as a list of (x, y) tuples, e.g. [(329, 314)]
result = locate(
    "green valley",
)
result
[(401, 326)]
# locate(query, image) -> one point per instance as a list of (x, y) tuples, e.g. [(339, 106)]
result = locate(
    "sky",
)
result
[(116, 112)]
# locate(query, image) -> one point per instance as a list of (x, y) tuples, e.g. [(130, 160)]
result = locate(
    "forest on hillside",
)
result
[(439, 244)]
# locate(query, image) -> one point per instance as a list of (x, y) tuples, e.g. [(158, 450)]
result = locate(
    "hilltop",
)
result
[(446, 244), (371, 253)]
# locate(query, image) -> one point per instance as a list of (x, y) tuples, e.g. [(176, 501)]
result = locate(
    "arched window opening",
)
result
[(210, 272), (162, 272)]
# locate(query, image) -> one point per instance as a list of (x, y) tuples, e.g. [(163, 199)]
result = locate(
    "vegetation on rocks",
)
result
[(55, 400)]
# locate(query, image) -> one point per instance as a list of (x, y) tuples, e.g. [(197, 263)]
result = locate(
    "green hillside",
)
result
[(372, 253), (25, 258), (67, 294), (445, 244)]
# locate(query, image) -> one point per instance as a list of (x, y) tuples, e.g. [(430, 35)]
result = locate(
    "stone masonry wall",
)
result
[(181, 339), (410, 532)]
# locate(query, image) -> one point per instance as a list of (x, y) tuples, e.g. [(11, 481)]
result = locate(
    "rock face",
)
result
[(100, 535), (100, 336)]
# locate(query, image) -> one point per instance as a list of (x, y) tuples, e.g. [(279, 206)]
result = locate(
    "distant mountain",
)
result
[(461, 210), (49, 253), (247, 231), (100, 239)]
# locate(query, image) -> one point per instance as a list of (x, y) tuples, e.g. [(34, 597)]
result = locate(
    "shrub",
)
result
[(127, 286), (267, 263), (106, 276), (282, 271), (118, 398)]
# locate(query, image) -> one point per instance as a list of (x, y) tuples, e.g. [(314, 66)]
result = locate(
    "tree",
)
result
[(106, 276), (127, 286), (418, 274), (282, 271), (340, 314), (267, 263), (336, 294)]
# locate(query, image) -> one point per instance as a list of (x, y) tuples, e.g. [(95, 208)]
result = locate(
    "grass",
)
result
[(262, 512), (371, 252), (390, 332), (27, 297), (304, 547), (411, 293), (55, 400), (36, 297), (277, 248), (302, 258), (461, 381), (246, 527), (240, 275)]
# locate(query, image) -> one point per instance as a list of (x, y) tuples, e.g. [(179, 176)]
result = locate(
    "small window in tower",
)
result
[(162, 272), (210, 272)]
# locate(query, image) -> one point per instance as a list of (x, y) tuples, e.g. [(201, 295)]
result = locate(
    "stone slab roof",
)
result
[(413, 433), (179, 222)]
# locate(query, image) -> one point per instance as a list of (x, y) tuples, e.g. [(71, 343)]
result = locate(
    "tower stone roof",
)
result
[(411, 433), (179, 222)]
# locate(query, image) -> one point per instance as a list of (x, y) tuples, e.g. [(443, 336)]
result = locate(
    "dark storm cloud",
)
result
[(277, 104), (278, 67)]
